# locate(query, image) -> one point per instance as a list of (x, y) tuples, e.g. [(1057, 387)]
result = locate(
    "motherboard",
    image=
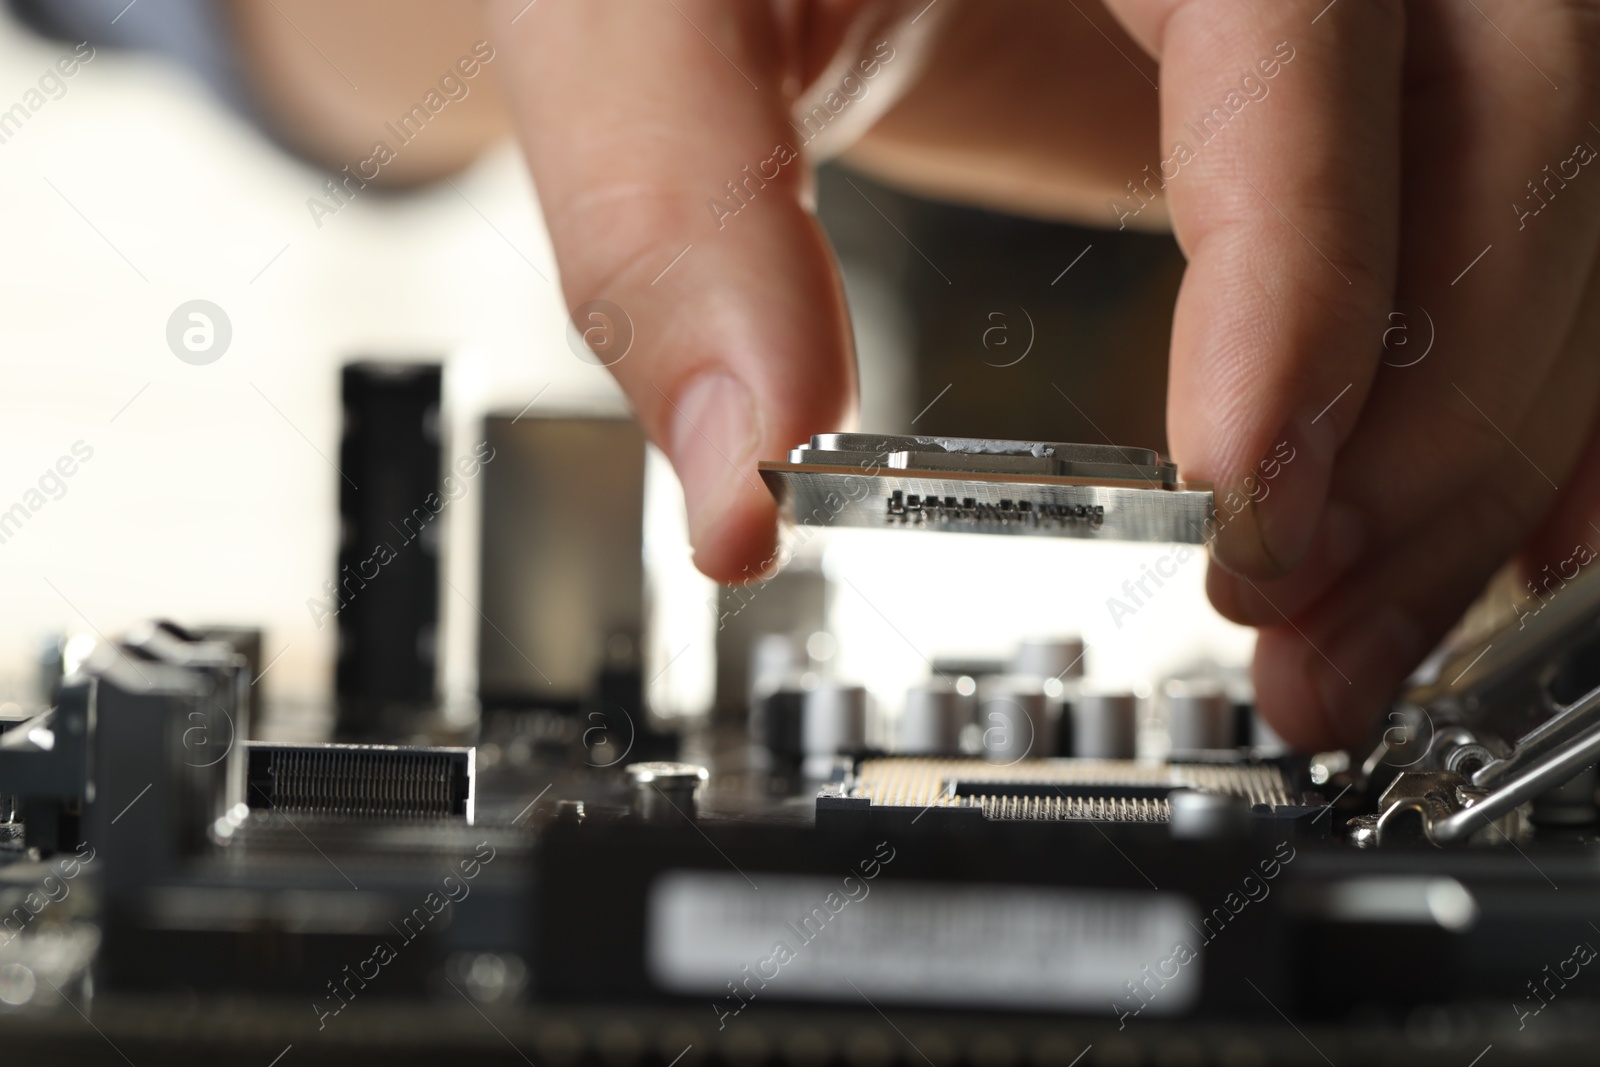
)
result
[(1013, 865)]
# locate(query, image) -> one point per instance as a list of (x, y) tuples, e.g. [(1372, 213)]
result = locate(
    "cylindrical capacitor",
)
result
[(934, 716), (774, 660), (1200, 717), (1015, 716), (775, 720), (834, 720), (664, 792), (1104, 724), (1058, 657)]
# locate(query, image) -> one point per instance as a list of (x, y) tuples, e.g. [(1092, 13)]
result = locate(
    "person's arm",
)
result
[(328, 76)]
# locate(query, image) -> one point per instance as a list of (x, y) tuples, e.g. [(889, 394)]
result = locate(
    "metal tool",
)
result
[(1499, 719)]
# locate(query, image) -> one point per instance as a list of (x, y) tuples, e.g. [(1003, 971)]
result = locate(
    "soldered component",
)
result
[(1199, 716), (977, 485), (666, 792), (1105, 723), (1098, 790), (361, 781), (935, 714), (1017, 719)]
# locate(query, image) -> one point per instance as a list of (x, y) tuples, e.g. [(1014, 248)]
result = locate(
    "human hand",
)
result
[(1381, 166), (1390, 166), (676, 188), (658, 130)]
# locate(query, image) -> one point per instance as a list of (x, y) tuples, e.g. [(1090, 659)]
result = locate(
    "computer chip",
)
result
[(977, 485)]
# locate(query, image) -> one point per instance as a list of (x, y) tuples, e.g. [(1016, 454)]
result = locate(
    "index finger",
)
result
[(674, 188)]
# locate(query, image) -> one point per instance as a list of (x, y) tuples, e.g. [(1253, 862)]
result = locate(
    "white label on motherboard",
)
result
[(807, 937)]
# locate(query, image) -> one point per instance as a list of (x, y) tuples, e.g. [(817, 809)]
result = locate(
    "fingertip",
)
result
[(1238, 547), (738, 543), (713, 437), (1338, 544), (1286, 694), (1222, 588), (1326, 693), (1268, 516), (1365, 666)]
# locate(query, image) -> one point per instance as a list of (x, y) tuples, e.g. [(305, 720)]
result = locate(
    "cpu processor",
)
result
[(978, 485)]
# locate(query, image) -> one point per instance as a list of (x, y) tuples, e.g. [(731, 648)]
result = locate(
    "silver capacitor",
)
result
[(774, 659), (1016, 718), (935, 714), (1104, 723), (666, 792), (1055, 657), (833, 720), (1200, 717)]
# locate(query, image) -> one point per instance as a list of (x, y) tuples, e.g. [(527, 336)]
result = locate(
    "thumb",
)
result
[(675, 190)]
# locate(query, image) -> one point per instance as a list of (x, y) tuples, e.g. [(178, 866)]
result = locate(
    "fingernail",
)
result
[(1363, 668), (1288, 514), (1268, 518), (713, 438), (1338, 545)]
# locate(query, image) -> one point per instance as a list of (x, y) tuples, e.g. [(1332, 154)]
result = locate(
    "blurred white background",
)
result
[(211, 495)]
